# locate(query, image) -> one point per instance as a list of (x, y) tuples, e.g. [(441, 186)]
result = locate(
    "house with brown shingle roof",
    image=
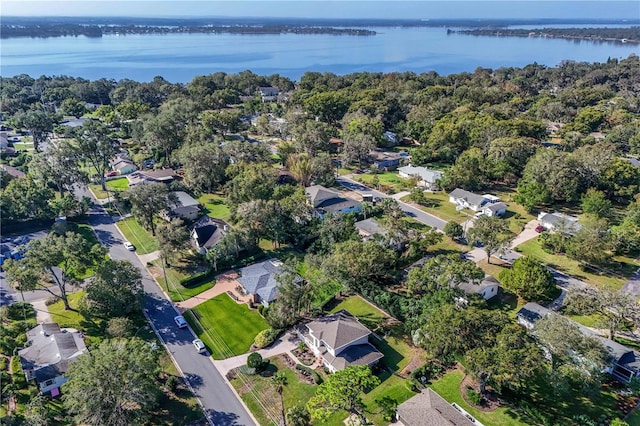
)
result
[(341, 340), (429, 409)]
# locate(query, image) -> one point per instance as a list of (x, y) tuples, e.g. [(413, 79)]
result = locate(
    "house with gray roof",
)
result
[(341, 340), (48, 354), (369, 227), (427, 178), (470, 200), (559, 222), (187, 207), (494, 209), (259, 280), (326, 200), (625, 362), (429, 409)]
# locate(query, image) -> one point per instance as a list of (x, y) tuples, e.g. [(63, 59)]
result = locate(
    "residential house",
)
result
[(494, 209), (625, 362), (559, 222), (326, 200), (207, 232), (268, 94), (390, 138), (387, 160), (427, 178), (341, 340), (259, 281), (186, 207), (471, 200), (76, 122), (634, 161), (429, 409), (48, 355), (368, 228), (123, 166), (487, 288), (152, 176)]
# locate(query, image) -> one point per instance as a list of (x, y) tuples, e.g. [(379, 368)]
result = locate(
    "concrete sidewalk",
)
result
[(286, 343)]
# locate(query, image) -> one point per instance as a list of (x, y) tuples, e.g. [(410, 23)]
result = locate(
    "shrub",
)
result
[(317, 379), (172, 383), (247, 370), (51, 300), (20, 310), (196, 279), (266, 337), (474, 397), (254, 360), (119, 327)]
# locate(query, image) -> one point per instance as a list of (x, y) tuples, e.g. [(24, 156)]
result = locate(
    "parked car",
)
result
[(199, 345), (180, 321), (112, 173), (477, 215), (129, 246), (540, 228)]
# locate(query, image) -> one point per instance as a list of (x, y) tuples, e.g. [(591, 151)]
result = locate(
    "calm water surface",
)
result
[(180, 57)]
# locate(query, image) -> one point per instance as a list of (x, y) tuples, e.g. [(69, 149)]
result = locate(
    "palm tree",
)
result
[(367, 208), (280, 380)]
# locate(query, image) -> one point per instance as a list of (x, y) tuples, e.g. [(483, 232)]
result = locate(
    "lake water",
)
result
[(180, 57)]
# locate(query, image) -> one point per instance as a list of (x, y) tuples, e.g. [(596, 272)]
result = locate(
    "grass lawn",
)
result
[(494, 268), (23, 146), (448, 387), (214, 206), (138, 236), (437, 203), (389, 182), (92, 327), (88, 235), (114, 185), (613, 278), (226, 327), (586, 320), (176, 291), (368, 315), (261, 397), (393, 387)]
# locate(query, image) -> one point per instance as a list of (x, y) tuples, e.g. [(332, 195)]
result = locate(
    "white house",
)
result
[(494, 209), (326, 200), (427, 178), (48, 355), (559, 222), (341, 340), (471, 200), (487, 288)]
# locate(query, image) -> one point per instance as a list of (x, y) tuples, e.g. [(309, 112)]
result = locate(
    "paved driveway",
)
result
[(416, 213)]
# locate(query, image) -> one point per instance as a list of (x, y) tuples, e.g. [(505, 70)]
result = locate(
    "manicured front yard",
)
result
[(448, 387), (138, 236), (437, 203), (260, 395), (389, 182), (620, 266), (226, 327), (113, 185), (214, 205), (171, 285), (394, 387)]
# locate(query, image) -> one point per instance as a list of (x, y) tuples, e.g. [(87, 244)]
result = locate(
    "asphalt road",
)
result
[(419, 215), (219, 402)]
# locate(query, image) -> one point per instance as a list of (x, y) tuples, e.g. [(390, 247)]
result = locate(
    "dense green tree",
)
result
[(356, 148), (510, 155), (330, 107), (25, 199), (298, 416), (492, 232), (204, 165), (442, 272), (312, 136), (115, 384), (511, 362), (529, 279), (148, 201), (64, 258), (39, 124), (468, 172), (222, 121), (115, 290), (58, 166), (450, 330), (557, 174), (72, 107), (594, 202), (620, 180), (615, 310), (532, 195), (343, 390), (95, 147), (173, 236), (301, 167), (592, 243), (251, 182), (334, 229), (453, 230), (166, 131)]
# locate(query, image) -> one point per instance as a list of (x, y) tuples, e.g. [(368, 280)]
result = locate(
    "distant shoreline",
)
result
[(599, 35), (96, 27)]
